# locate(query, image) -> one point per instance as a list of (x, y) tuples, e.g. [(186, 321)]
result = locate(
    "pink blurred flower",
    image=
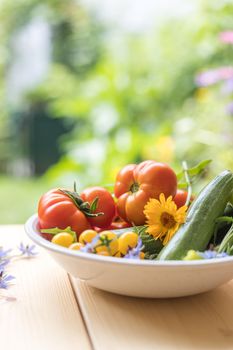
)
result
[(226, 37), (213, 76)]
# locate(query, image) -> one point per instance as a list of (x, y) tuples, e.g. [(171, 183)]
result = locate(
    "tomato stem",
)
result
[(134, 187), (85, 207)]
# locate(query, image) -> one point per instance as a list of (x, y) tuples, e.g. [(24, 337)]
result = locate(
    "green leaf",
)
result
[(182, 185), (77, 200), (196, 170), (56, 230), (199, 167), (84, 206), (151, 245), (94, 205), (139, 229), (180, 175), (149, 256)]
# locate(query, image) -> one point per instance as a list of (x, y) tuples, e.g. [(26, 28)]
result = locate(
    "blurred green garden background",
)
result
[(83, 94)]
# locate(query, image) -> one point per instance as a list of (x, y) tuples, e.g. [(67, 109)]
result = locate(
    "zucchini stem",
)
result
[(188, 181)]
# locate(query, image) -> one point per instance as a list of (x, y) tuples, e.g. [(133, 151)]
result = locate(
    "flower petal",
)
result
[(162, 199)]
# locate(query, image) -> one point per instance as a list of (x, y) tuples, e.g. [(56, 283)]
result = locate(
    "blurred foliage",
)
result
[(130, 96), (141, 101), (75, 47), (20, 198)]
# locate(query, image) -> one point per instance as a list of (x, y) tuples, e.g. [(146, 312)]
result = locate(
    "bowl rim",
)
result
[(33, 234)]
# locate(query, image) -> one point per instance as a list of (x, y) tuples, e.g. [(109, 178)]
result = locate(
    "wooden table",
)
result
[(53, 311)]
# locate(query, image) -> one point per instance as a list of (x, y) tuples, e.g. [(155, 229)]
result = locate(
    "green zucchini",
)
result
[(200, 222)]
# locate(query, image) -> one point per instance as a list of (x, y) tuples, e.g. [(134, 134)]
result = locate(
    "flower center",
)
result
[(167, 220)]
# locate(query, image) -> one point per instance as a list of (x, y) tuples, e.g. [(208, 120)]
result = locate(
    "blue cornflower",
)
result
[(89, 247), (3, 264), (5, 280), (222, 255), (134, 253), (212, 254), (27, 250), (4, 253)]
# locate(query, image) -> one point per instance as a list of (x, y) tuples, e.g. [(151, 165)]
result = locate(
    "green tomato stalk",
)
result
[(56, 230), (188, 181)]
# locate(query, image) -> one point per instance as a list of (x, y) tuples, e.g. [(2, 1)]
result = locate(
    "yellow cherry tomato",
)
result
[(109, 234), (192, 255), (118, 255), (107, 242), (87, 236), (76, 246), (127, 240), (142, 255), (63, 238), (101, 248)]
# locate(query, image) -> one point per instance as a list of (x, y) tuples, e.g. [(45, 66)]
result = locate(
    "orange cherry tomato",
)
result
[(136, 184), (56, 209)]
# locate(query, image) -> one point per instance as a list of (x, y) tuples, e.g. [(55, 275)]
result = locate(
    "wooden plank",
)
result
[(117, 322), (45, 315)]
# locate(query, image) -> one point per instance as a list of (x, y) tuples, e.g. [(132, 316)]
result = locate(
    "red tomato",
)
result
[(105, 205), (180, 198), (136, 184), (56, 209), (117, 224)]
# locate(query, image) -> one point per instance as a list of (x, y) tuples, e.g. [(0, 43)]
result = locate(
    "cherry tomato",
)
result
[(63, 238), (105, 205), (127, 240), (180, 198), (117, 255), (56, 209), (76, 246), (118, 224), (108, 242), (87, 236), (136, 184), (142, 255)]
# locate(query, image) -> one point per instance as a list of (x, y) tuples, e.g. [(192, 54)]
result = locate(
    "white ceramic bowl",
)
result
[(138, 278)]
